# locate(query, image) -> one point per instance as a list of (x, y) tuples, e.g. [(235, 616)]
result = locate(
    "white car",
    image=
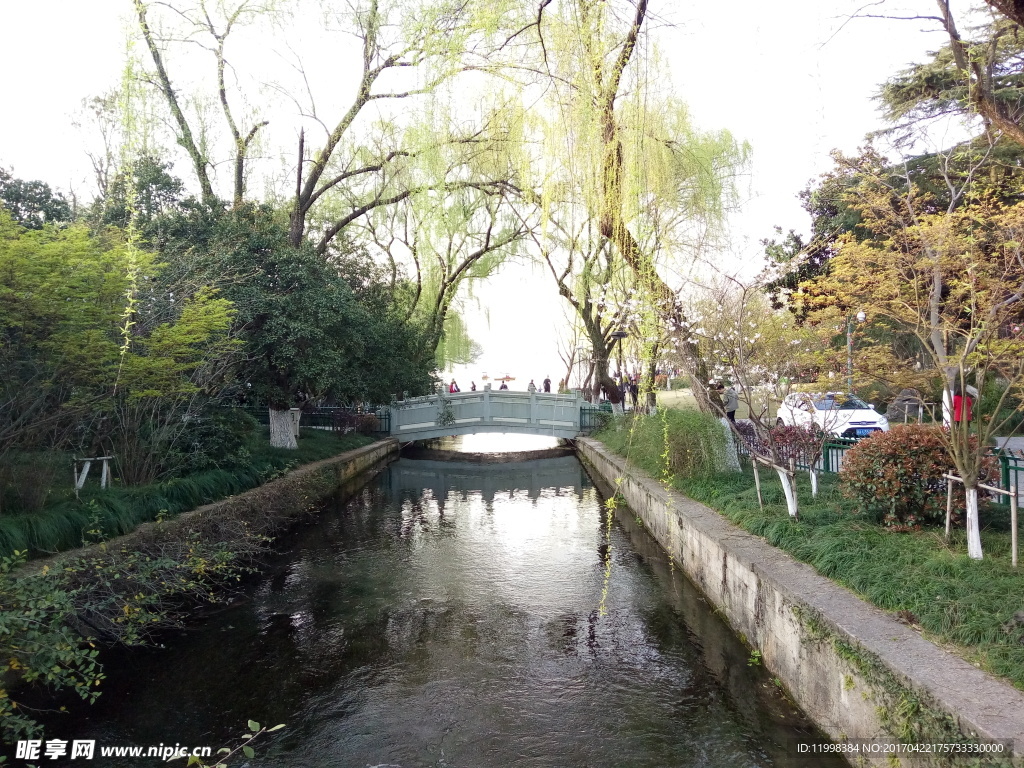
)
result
[(837, 413)]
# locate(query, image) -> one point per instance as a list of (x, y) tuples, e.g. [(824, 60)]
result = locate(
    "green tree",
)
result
[(975, 75), (952, 277), (32, 204), (305, 332), (164, 379), (61, 296), (619, 148), (88, 358), (155, 193)]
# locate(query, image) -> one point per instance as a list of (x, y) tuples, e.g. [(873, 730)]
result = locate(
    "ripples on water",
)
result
[(449, 616)]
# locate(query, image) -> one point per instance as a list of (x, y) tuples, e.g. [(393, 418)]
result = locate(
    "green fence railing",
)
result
[(367, 420), (830, 461), (593, 417), (1011, 465)]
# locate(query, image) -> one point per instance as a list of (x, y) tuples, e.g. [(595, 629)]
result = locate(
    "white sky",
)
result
[(782, 76)]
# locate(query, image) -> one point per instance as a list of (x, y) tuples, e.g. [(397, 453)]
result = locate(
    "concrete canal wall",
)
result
[(265, 509), (855, 670)]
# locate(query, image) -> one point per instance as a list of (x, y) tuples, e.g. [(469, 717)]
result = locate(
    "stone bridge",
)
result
[(466, 413)]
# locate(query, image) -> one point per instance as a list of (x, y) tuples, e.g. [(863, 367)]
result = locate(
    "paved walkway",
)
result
[(1013, 443)]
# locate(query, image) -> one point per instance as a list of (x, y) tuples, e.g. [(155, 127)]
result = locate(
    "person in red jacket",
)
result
[(962, 404)]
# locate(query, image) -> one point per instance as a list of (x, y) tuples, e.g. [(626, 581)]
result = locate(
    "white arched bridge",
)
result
[(466, 413)]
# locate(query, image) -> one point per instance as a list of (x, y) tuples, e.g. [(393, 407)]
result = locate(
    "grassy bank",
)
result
[(100, 514), (57, 614), (970, 605)]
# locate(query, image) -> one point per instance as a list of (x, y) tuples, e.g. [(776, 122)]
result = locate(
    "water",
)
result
[(458, 614)]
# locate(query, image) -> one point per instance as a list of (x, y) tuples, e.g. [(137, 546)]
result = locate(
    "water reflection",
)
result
[(495, 442), (448, 616), (441, 479)]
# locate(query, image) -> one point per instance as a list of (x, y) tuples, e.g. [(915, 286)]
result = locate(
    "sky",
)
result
[(795, 79)]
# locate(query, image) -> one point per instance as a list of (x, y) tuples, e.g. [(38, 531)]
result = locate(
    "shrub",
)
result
[(215, 438), (367, 424), (37, 644), (28, 480), (695, 445), (898, 475), (798, 443)]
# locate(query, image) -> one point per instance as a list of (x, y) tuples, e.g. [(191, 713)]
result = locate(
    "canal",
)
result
[(465, 615)]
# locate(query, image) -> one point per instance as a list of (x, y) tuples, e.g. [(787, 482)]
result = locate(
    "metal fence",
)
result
[(375, 421), (830, 461), (593, 417), (1011, 473), (1011, 463)]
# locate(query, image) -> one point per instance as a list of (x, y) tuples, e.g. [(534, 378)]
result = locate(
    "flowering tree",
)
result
[(758, 351)]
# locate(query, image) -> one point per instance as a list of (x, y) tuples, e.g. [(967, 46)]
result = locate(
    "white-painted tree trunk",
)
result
[(973, 526), (814, 482), (282, 429), (732, 459), (787, 488)]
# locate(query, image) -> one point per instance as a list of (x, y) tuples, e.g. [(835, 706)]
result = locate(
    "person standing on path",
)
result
[(730, 401), (532, 387), (547, 383)]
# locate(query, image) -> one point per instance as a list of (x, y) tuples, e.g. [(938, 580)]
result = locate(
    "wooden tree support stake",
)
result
[(87, 463)]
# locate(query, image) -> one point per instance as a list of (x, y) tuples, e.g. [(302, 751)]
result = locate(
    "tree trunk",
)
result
[(973, 526), (282, 429), (732, 458), (602, 380), (647, 386), (787, 487), (185, 136), (1013, 9)]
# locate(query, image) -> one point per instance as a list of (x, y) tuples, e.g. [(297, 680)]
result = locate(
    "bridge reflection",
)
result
[(559, 476)]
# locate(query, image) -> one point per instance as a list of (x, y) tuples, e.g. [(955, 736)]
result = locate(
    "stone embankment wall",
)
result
[(855, 670), (264, 510)]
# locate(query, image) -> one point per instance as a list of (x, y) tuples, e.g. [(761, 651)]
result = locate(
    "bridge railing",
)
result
[(486, 410)]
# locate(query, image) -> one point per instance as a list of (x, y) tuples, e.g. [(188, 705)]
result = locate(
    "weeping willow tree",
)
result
[(458, 229), (619, 149), (584, 267)]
